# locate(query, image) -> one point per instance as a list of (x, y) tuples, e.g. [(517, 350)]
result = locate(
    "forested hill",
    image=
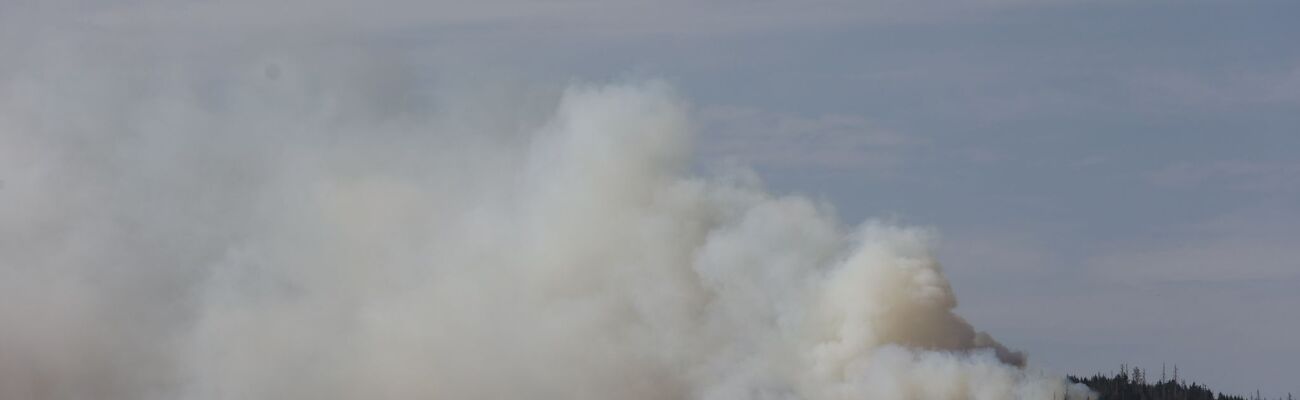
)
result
[(1133, 385)]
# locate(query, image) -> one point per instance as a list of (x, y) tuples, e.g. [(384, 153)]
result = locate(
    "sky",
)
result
[(1113, 182)]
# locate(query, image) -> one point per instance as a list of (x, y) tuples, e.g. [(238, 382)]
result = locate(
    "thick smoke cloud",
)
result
[(302, 230)]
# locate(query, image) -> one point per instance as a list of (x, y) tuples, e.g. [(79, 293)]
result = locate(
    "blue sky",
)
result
[(1115, 182)]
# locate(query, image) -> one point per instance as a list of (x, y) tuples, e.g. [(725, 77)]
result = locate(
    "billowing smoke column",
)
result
[(273, 234)]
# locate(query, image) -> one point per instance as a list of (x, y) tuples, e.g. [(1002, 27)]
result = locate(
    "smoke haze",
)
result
[(288, 229)]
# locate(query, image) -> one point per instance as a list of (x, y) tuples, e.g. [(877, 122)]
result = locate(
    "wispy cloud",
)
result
[(616, 18), (1239, 86), (1246, 245), (1254, 176), (834, 141)]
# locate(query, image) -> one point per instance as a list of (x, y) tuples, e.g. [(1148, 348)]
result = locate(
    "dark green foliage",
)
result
[(1132, 385)]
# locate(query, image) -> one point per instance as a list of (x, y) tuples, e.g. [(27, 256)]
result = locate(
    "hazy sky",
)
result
[(1134, 166)]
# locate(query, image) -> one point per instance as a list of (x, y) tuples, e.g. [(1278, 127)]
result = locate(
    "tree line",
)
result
[(1133, 384)]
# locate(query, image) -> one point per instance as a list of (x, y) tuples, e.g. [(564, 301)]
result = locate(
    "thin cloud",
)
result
[(1241, 86), (1247, 245), (616, 18), (834, 141), (1244, 175)]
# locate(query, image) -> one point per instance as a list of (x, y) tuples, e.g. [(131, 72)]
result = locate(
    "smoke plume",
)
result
[(294, 230)]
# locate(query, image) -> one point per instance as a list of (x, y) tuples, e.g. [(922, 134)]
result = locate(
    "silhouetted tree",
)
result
[(1130, 384)]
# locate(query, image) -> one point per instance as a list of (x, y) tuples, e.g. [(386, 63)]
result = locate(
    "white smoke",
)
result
[(277, 232)]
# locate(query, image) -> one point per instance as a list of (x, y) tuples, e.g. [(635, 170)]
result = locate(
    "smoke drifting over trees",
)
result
[(1134, 384)]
